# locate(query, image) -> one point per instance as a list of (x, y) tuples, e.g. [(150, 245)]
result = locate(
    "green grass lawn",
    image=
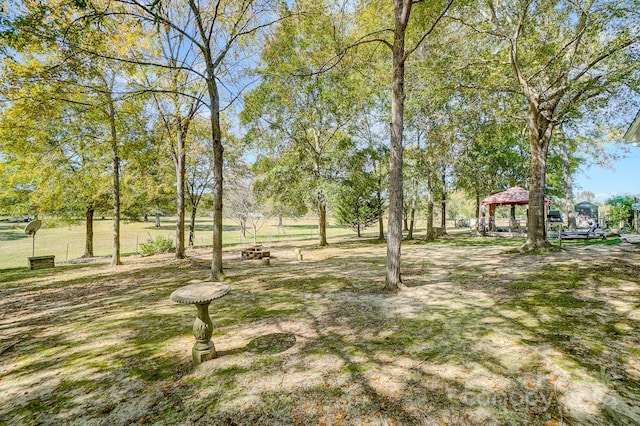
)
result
[(481, 336), (67, 242)]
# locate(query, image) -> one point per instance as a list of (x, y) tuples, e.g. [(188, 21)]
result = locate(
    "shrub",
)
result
[(158, 245), (621, 209)]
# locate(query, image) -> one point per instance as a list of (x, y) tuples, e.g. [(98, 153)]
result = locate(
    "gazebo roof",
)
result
[(633, 132), (513, 195)]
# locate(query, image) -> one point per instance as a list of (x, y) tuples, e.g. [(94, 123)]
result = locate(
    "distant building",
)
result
[(586, 214)]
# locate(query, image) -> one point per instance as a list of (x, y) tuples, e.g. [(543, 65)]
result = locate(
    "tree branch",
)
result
[(429, 31)]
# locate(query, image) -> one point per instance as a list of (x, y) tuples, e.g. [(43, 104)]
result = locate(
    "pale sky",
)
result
[(623, 178)]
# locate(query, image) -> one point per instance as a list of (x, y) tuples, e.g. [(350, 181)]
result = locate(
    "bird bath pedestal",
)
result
[(201, 295)]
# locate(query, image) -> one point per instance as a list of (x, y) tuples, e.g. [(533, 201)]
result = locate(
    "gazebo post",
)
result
[(492, 217)]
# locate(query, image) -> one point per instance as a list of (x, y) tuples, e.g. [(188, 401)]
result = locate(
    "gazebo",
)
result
[(513, 196)]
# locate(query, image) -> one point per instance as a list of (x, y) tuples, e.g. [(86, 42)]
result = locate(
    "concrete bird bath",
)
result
[(201, 295)]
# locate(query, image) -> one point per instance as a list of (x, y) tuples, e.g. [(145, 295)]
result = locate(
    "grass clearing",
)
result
[(67, 242), (480, 336)]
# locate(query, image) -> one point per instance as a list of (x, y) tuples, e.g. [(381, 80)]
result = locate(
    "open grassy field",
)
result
[(67, 242), (481, 336)]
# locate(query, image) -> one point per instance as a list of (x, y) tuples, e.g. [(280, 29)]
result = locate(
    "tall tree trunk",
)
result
[(402, 9), (180, 159), (412, 216), (568, 187), (88, 241), (358, 230), (218, 153), (412, 208), (380, 210), (205, 46), (402, 13), (115, 256), (322, 219), (217, 273), (405, 219), (540, 130), (321, 200), (443, 205), (255, 235), (430, 236), (192, 225), (477, 208)]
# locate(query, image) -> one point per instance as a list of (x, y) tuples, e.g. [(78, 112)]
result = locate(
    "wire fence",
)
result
[(67, 243)]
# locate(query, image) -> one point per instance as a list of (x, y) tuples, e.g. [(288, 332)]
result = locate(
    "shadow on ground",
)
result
[(479, 337)]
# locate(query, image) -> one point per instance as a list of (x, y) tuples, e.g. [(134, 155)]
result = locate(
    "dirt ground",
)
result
[(481, 336)]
